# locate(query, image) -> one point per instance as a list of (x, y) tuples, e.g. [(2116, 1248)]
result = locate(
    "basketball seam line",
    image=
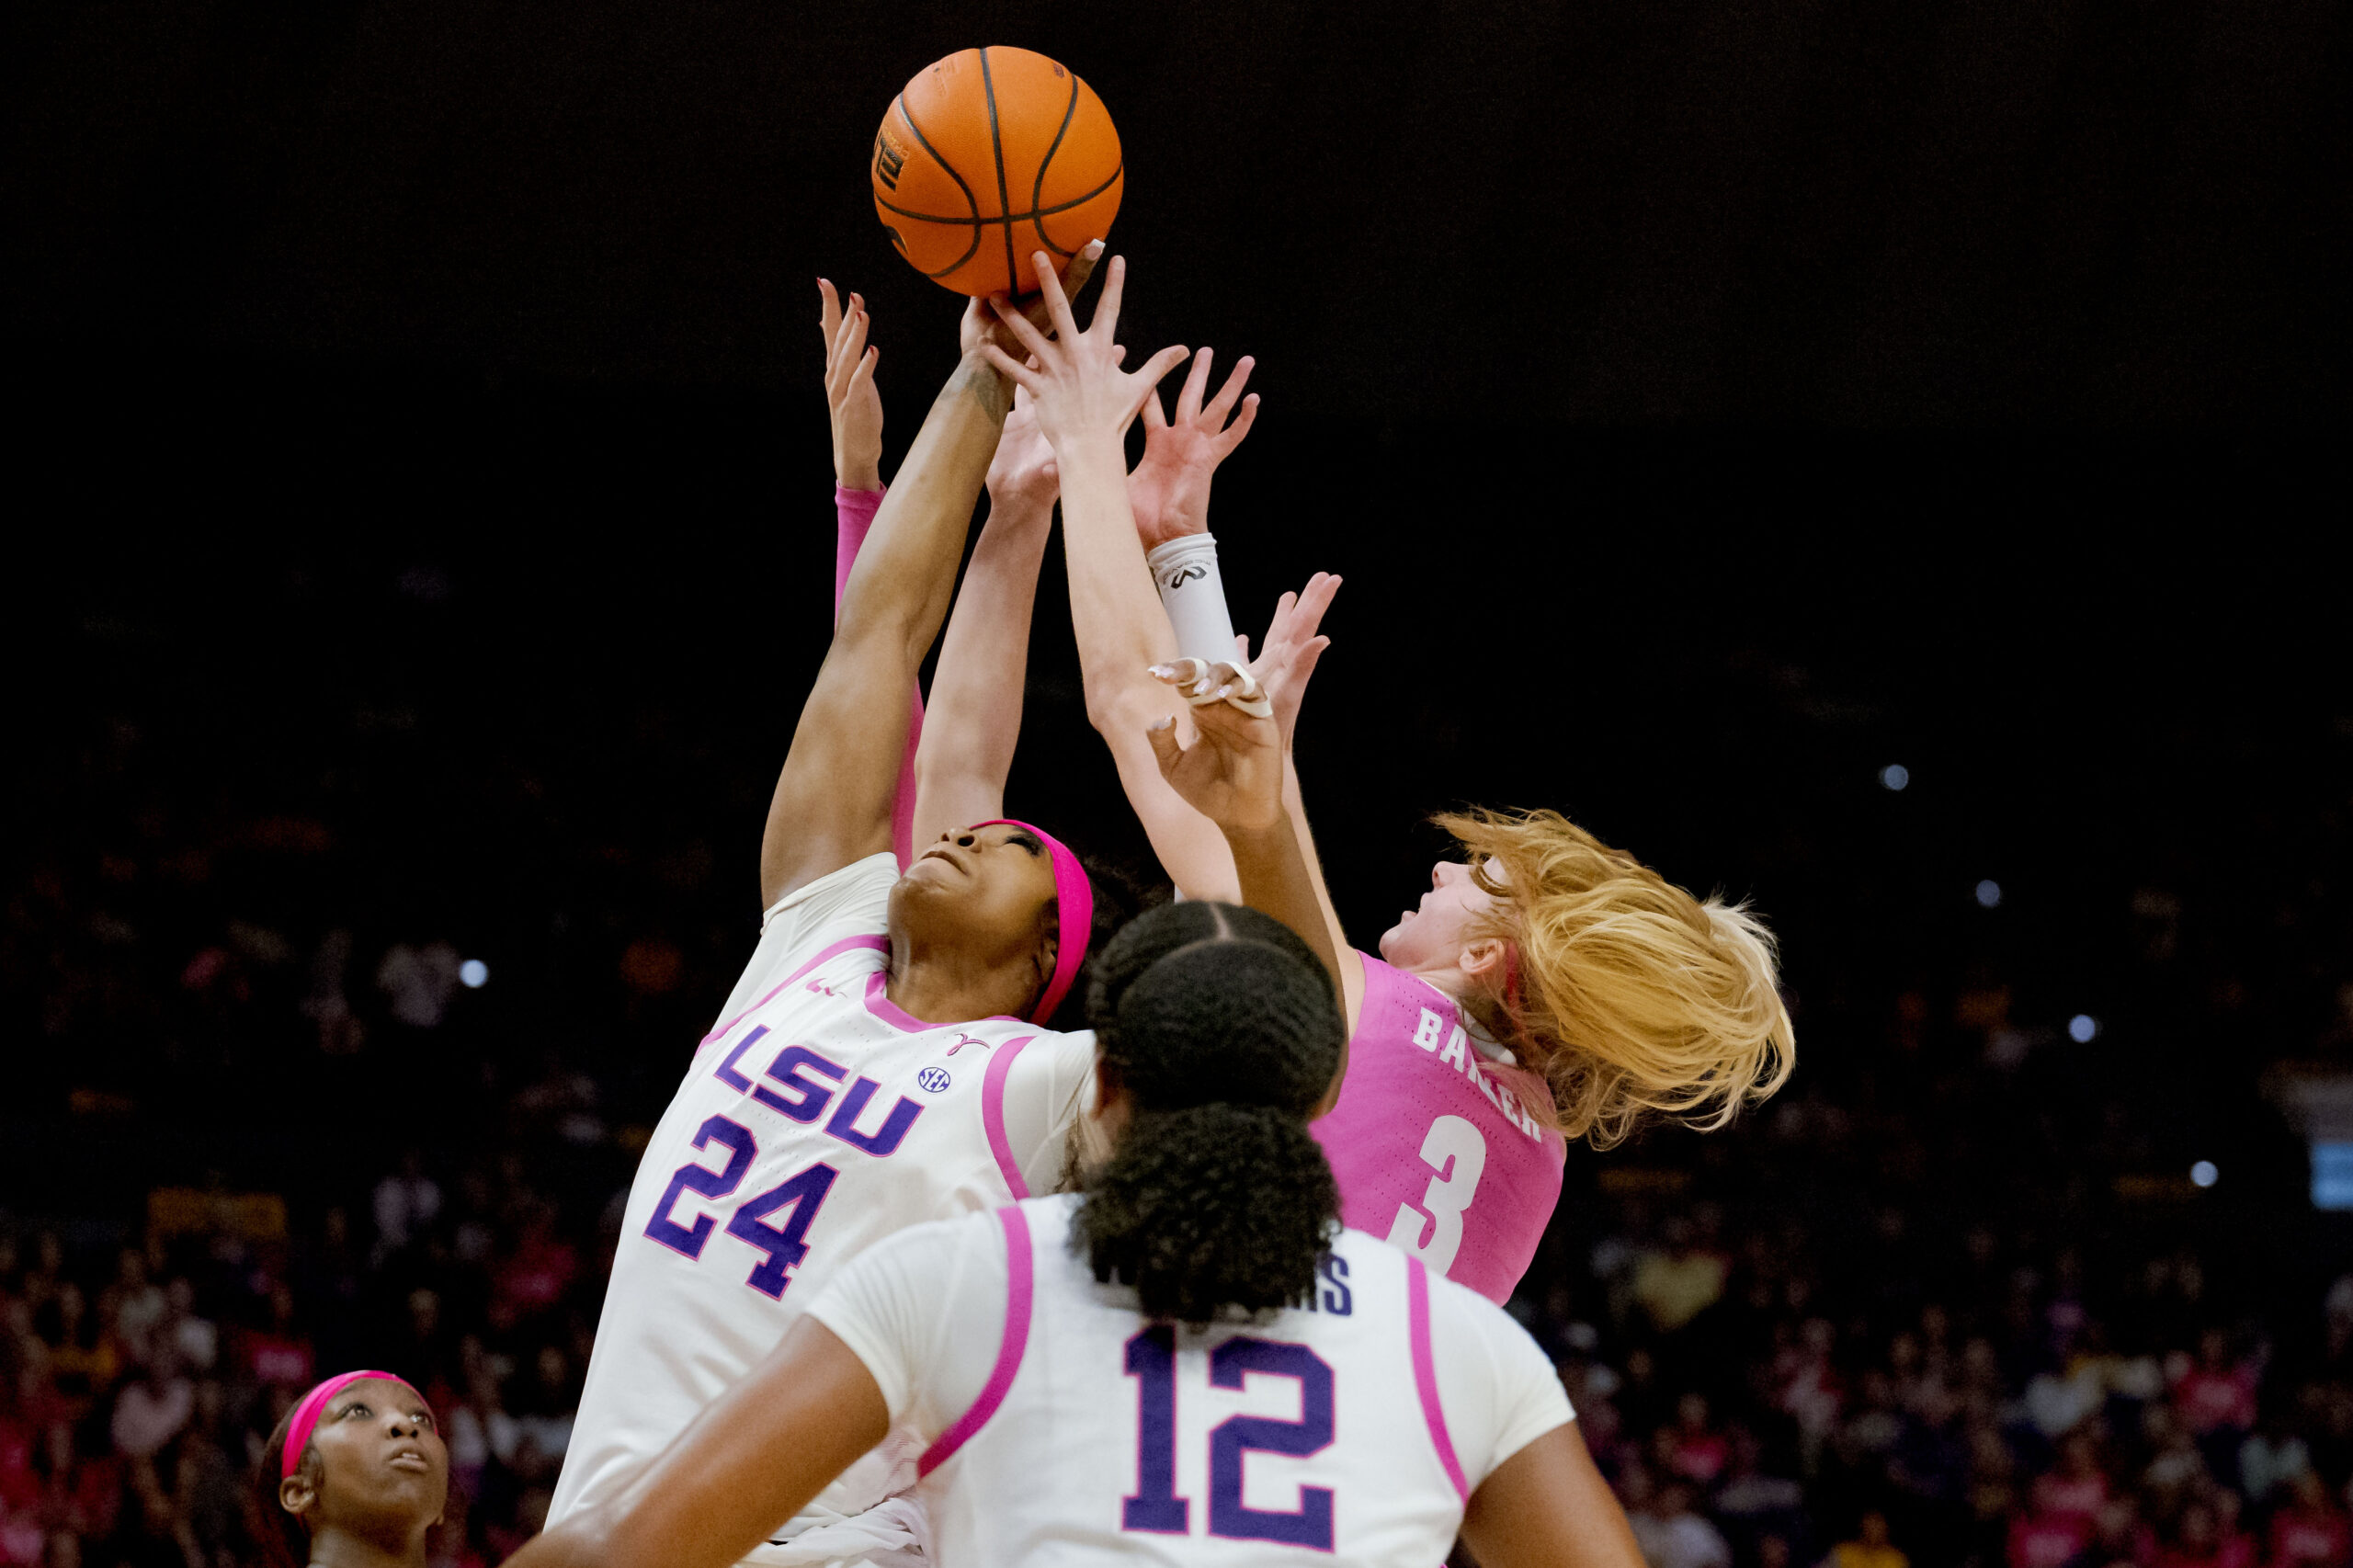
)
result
[(1109, 180), (900, 103), (1037, 188), (1004, 195)]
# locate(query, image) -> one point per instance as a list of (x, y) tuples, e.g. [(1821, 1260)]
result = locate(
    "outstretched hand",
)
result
[(1233, 773), (1169, 490), (984, 326), (1074, 379), (851, 400), (1294, 643), (1022, 476)]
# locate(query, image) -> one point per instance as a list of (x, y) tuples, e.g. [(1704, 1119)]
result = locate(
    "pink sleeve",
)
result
[(853, 516)]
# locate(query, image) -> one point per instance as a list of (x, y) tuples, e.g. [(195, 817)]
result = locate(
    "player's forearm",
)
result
[(832, 799), (1271, 864), (1295, 807), (898, 592), (1115, 613), (975, 711)]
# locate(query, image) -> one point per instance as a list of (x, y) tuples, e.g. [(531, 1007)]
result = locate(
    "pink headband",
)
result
[(1075, 906), (306, 1413)]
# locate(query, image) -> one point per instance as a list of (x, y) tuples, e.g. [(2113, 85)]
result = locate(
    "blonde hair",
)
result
[(1629, 996)]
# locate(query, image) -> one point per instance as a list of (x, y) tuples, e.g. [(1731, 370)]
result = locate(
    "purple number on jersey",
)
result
[(783, 1244), (1154, 1506), (741, 1151), (1311, 1524)]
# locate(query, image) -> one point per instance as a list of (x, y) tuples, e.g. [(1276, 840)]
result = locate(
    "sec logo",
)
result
[(933, 1079)]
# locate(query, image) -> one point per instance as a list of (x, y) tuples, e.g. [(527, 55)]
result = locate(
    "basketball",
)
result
[(988, 156)]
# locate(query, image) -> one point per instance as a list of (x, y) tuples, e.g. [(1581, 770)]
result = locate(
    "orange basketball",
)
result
[(988, 156)]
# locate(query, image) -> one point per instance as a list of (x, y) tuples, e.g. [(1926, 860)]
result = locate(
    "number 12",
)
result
[(1154, 1506)]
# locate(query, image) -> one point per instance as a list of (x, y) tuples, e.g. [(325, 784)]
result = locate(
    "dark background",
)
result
[(1817, 213), (420, 530)]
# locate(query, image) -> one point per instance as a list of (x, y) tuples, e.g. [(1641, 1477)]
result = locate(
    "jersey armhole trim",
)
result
[(993, 1113), (836, 950), (1018, 1266), (1417, 1325)]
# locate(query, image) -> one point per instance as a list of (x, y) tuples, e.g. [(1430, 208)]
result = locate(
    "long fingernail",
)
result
[(1161, 672), (1094, 249)]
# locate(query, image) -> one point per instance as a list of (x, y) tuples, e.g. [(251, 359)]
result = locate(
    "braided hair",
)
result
[(1224, 1029)]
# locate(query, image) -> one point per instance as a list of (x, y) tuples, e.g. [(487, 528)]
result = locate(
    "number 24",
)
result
[(782, 1246)]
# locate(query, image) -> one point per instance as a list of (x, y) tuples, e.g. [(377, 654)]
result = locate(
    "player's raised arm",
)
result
[(832, 799), (854, 409), (1121, 630), (975, 718)]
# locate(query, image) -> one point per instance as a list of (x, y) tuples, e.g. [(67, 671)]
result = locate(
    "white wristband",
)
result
[(1191, 591)]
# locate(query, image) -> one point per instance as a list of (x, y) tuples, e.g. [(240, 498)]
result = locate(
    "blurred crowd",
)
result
[(336, 1014), (1969, 1402), (140, 1386)]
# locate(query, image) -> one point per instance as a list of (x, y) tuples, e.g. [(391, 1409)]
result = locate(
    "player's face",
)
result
[(386, 1467), (1455, 913), (988, 886)]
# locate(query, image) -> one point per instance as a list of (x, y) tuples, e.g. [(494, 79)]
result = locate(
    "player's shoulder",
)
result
[(1394, 999), (862, 885)]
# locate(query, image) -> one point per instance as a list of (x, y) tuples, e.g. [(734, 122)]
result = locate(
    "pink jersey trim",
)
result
[(1417, 1325), (1008, 1350), (845, 945), (993, 1113), (878, 1001)]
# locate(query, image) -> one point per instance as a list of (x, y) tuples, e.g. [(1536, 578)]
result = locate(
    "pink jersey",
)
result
[(1451, 1156)]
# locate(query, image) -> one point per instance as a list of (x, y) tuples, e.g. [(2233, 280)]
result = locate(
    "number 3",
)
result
[(1456, 1150)]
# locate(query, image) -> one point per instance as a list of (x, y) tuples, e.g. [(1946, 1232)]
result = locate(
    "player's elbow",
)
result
[(1121, 710)]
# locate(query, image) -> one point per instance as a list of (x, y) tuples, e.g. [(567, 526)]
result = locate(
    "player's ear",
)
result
[(296, 1494), (1482, 960)]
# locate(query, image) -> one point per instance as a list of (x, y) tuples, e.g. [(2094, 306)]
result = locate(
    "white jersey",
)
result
[(1065, 1428), (817, 1119)]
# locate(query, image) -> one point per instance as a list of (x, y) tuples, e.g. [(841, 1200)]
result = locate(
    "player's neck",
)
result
[(948, 988), (334, 1547)]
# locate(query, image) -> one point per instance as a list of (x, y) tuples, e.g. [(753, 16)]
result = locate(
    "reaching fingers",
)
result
[(1166, 748), (1227, 394), (854, 329), (1155, 417), (1081, 268), (829, 315), (1313, 603), (1013, 370), (863, 374), (1057, 303), (1240, 427), (1146, 380), (1106, 309), (1189, 401), (1022, 328)]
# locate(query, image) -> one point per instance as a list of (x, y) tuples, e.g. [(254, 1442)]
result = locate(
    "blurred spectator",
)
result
[(1677, 1282), (406, 1201), (1670, 1534), (420, 982), (2309, 1531), (150, 1409), (1870, 1547), (133, 1303)]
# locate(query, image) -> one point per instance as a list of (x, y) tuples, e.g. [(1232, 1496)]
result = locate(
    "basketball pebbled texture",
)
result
[(988, 156)]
